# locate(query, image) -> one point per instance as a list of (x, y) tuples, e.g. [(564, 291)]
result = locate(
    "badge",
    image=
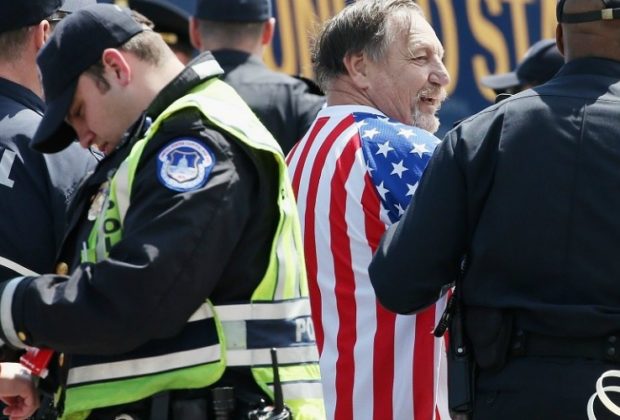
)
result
[(96, 206), (184, 165)]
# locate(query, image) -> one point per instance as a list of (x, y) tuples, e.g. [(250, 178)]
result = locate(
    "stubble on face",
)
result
[(428, 120)]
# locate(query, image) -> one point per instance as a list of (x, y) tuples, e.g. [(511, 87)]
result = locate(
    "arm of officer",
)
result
[(174, 249), (420, 254)]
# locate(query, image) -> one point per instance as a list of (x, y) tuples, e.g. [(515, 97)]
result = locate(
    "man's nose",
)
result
[(439, 75)]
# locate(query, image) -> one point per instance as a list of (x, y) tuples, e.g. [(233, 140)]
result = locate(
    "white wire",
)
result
[(601, 393)]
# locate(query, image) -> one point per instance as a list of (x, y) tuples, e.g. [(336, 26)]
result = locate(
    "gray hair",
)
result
[(368, 26)]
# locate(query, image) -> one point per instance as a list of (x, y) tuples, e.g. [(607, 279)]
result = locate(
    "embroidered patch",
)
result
[(184, 165)]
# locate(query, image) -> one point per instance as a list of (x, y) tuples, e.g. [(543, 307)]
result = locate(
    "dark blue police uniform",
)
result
[(34, 188), (282, 103), (527, 190), (285, 105)]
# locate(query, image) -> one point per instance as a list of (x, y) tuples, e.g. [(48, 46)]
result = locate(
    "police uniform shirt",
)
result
[(34, 188), (282, 103), (177, 248), (528, 190)]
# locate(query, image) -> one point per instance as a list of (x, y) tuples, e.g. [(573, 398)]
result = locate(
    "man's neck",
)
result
[(23, 73), (342, 91)]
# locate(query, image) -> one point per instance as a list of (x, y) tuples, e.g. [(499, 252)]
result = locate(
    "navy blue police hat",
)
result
[(71, 6), (75, 45), (171, 22), (610, 11), (233, 10), (16, 14), (540, 63)]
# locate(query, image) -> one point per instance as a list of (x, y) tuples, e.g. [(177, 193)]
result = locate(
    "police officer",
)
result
[(34, 189), (171, 22), (526, 191), (540, 63), (174, 287), (237, 32)]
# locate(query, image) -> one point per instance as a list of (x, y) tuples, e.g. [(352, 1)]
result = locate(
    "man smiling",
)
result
[(380, 64)]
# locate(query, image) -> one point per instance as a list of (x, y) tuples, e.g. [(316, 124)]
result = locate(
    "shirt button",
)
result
[(22, 336), (62, 269), (61, 359)]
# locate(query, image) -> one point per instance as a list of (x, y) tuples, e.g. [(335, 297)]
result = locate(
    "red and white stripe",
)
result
[(374, 364)]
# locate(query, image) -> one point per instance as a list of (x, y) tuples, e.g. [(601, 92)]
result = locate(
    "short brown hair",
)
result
[(366, 25), (147, 46)]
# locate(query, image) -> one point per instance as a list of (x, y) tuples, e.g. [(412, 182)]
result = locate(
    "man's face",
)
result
[(409, 83), (98, 115)]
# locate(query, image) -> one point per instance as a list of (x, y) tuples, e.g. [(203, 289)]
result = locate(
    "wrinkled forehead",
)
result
[(422, 35)]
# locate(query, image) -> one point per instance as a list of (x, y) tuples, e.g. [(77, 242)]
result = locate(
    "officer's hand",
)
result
[(17, 391)]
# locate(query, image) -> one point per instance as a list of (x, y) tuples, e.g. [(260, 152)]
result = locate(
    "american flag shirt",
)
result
[(354, 174)]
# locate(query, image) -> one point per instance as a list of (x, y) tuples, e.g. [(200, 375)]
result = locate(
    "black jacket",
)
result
[(528, 190), (35, 189), (282, 103)]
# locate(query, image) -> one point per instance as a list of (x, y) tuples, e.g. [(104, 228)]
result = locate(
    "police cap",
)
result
[(233, 10), (66, 56), (541, 62), (171, 22), (71, 6), (610, 11), (15, 14)]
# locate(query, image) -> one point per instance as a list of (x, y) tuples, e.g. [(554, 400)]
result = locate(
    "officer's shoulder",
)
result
[(190, 123)]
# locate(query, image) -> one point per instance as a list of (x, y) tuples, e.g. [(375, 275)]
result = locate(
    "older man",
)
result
[(380, 64), (527, 191)]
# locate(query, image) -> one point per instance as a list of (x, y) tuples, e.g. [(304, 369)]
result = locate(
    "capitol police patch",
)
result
[(184, 165)]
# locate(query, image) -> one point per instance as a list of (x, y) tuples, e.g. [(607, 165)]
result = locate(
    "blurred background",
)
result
[(480, 37)]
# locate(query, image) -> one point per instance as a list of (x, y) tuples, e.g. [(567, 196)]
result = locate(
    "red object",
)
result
[(37, 360)]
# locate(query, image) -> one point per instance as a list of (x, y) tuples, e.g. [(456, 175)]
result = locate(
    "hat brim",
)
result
[(501, 81), (53, 133)]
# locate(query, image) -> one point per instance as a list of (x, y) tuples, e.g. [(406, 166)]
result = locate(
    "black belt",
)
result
[(606, 348)]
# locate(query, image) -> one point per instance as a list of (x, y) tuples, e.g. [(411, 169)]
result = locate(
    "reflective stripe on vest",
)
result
[(279, 312), (87, 370)]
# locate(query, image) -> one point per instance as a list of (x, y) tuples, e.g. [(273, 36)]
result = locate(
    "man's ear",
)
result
[(42, 32), (357, 68), (194, 33), (269, 28), (116, 66), (559, 39)]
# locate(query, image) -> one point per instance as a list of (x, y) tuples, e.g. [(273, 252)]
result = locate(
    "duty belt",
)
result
[(605, 348)]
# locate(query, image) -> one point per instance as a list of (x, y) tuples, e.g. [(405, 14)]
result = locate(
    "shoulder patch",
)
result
[(184, 164)]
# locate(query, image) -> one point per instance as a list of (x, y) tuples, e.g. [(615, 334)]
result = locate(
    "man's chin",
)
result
[(428, 122)]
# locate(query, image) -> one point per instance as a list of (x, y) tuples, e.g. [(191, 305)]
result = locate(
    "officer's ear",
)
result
[(116, 66), (269, 28), (357, 67), (194, 33), (559, 38), (42, 32)]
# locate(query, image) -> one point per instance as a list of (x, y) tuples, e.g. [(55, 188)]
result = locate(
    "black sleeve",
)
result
[(423, 253), (419, 255), (174, 248)]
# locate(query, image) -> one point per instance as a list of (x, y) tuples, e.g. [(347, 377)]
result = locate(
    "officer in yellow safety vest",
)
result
[(182, 265)]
